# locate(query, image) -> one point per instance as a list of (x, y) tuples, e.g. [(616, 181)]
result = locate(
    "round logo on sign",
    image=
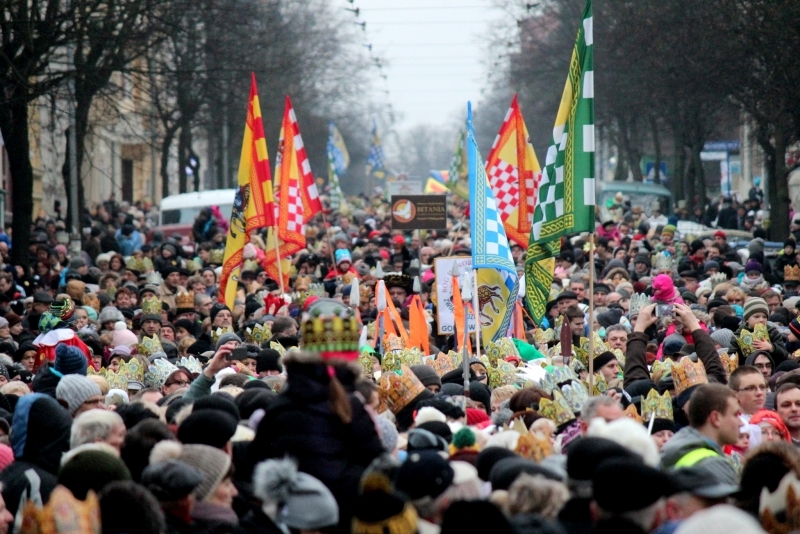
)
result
[(404, 211)]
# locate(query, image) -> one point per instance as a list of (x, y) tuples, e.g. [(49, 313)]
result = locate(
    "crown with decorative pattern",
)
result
[(498, 351), (151, 306), (543, 336), (280, 349), (133, 371), (194, 265), (398, 388), (333, 336), (215, 334), (502, 373), (658, 406), (184, 301), (791, 273), (139, 265), (716, 279), (557, 375), (730, 362), (747, 339), (663, 262), (576, 394), (599, 384), (638, 301), (258, 334), (392, 342), (631, 412), (217, 256), (686, 373), (557, 410), (661, 369), (620, 356), (308, 290), (63, 513), (158, 372), (366, 357), (443, 363), (533, 446), (779, 510), (192, 364), (149, 346), (154, 279)]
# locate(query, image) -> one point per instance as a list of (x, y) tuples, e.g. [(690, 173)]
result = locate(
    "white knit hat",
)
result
[(75, 390)]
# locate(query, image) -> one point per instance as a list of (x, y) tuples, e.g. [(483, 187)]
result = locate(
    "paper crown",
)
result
[(258, 334), (730, 362), (686, 373), (215, 334), (277, 347), (149, 346), (543, 336), (151, 306), (638, 301), (158, 372), (557, 410), (575, 394), (192, 364), (502, 373), (555, 376), (133, 371), (791, 273), (333, 336), (663, 262), (63, 513), (599, 384), (140, 265), (716, 279), (154, 279), (392, 342), (63, 309), (365, 294), (658, 406), (498, 351), (443, 364), (115, 380), (398, 388), (366, 358), (193, 266), (631, 412), (661, 369), (309, 290), (779, 511), (747, 339), (533, 446), (396, 359), (217, 256), (184, 300)]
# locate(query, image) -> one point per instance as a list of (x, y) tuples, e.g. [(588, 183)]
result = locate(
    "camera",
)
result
[(664, 310)]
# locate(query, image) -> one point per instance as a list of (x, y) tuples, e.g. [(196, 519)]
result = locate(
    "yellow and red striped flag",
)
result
[(254, 204), (291, 169), (514, 174)]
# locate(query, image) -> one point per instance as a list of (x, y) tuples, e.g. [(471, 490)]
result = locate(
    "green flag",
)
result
[(457, 176), (565, 199)]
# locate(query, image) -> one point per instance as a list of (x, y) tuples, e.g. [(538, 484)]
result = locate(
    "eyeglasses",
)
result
[(753, 389), (181, 383), (763, 365)]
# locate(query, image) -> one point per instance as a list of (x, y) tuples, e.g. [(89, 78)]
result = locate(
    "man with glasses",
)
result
[(763, 362), (751, 389)]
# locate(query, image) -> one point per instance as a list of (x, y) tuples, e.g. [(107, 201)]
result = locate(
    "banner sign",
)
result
[(445, 317), (419, 212)]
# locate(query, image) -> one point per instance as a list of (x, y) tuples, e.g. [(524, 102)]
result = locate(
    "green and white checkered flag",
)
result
[(566, 194)]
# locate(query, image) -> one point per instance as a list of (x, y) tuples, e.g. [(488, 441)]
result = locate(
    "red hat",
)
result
[(476, 416), (384, 254), (374, 233), (720, 233), (400, 240)]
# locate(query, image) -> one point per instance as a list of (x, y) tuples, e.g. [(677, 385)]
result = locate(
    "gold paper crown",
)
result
[(686, 373), (658, 406), (543, 336), (730, 362), (151, 306), (502, 373), (661, 369), (149, 346), (498, 351), (392, 342), (599, 384), (115, 380), (791, 273), (194, 265), (638, 301), (367, 360), (63, 513), (280, 349), (133, 371), (192, 364), (140, 265), (397, 389), (557, 410), (663, 262), (533, 446), (576, 394), (258, 334), (215, 334), (631, 412), (185, 300), (365, 294), (312, 290), (747, 338), (620, 357), (217, 256), (443, 364), (332, 336)]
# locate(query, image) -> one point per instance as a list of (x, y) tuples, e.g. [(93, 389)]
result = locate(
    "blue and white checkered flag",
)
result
[(491, 254), (376, 161)]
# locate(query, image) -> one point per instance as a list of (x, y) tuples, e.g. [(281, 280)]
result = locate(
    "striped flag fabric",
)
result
[(514, 173), (491, 253), (458, 181), (254, 203), (336, 197), (376, 160), (338, 150), (566, 196)]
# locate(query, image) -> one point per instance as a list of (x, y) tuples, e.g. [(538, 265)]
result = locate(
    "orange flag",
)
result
[(418, 326), (458, 313), (254, 204), (519, 322)]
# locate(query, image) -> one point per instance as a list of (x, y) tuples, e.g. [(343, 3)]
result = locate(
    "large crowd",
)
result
[(133, 400)]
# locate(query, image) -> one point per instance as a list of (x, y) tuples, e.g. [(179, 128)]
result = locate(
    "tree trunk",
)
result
[(83, 104), (14, 126), (634, 151), (677, 182), (184, 142), (657, 148), (691, 175), (166, 145), (779, 187)]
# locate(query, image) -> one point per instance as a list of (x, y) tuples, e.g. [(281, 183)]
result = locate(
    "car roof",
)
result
[(213, 197)]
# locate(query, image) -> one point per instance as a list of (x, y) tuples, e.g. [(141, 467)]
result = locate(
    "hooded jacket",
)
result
[(688, 447), (40, 434)]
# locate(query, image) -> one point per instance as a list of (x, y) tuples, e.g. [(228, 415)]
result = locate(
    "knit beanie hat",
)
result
[(476, 417), (427, 375), (268, 360), (225, 338), (424, 473), (388, 434), (91, 470), (603, 358), (212, 462), (215, 309), (723, 336), (123, 336), (752, 265), (6, 456), (754, 305), (343, 255), (110, 313), (208, 427), (74, 390), (70, 360)]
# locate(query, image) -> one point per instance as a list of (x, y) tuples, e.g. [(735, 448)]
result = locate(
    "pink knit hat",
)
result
[(123, 336), (6, 456), (664, 290)]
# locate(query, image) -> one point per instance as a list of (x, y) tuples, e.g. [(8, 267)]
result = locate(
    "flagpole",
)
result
[(278, 257), (328, 237), (466, 296), (591, 314), (476, 310)]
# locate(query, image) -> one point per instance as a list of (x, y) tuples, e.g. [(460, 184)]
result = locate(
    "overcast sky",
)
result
[(435, 54)]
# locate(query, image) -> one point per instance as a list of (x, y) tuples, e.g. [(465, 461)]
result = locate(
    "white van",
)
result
[(178, 212)]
